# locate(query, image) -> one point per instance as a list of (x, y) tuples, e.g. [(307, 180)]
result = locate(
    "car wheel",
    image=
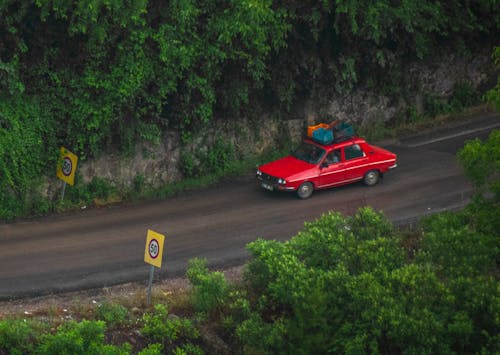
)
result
[(371, 178), (305, 190)]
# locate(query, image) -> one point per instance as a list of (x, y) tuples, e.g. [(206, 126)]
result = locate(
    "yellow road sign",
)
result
[(66, 166), (154, 248)]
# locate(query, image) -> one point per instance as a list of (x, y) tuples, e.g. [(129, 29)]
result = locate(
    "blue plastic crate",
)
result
[(323, 136)]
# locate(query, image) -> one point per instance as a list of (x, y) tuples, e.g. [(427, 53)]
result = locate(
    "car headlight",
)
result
[(259, 173), (282, 181)]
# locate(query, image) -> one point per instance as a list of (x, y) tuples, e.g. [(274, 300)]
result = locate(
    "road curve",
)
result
[(103, 247)]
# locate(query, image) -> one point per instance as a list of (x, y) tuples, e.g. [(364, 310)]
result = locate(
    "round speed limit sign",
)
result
[(154, 248), (67, 166)]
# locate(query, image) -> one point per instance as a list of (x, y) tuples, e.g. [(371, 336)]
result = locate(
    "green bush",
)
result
[(219, 157), (481, 162), (188, 349), (464, 95), (138, 184), (86, 193), (160, 327), (344, 285), (85, 337), (152, 349), (16, 337), (459, 252), (493, 95), (210, 289), (434, 105), (113, 314)]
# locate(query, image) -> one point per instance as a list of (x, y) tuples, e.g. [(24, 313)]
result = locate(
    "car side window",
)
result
[(333, 157), (353, 151)]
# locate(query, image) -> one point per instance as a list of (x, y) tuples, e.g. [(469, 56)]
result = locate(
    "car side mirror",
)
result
[(324, 165)]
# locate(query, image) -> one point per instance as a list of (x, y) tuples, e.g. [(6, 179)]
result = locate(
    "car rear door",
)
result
[(355, 162)]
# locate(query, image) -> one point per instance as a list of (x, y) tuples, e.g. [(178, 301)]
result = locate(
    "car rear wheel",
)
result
[(371, 178), (305, 190)]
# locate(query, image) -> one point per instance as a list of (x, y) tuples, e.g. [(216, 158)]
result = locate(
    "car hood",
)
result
[(286, 168)]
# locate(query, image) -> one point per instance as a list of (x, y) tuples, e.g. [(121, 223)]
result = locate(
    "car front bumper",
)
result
[(270, 185)]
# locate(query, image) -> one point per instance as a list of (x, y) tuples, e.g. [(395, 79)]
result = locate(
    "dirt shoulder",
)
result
[(74, 305)]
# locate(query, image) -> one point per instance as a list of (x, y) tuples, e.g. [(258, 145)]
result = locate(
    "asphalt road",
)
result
[(103, 247)]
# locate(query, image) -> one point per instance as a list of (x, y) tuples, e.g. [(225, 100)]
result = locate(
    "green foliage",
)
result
[(210, 289), (85, 193), (220, 158), (344, 285), (85, 337), (434, 106), (160, 327), (493, 95), (464, 95), (484, 215), (113, 314), (259, 336), (455, 252), (481, 161), (16, 337), (24, 152), (138, 184), (152, 349), (188, 349)]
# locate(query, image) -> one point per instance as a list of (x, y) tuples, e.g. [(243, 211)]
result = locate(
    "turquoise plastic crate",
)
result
[(323, 136)]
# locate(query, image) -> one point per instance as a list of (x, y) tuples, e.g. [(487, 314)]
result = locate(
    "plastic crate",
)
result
[(311, 129), (323, 135), (342, 131)]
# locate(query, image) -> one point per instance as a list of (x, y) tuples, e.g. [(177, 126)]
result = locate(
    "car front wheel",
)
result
[(305, 190), (371, 178)]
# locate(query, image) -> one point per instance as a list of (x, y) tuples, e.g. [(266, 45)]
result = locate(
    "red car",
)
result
[(316, 166)]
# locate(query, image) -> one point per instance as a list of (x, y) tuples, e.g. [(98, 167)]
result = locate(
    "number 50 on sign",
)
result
[(153, 253)]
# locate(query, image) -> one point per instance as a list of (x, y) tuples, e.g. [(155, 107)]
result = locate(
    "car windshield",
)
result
[(309, 153)]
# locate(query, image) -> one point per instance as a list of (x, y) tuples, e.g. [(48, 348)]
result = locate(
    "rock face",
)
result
[(158, 165)]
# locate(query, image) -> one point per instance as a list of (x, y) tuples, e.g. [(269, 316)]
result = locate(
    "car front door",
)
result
[(332, 170)]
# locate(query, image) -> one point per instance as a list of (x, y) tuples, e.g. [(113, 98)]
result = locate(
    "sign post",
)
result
[(66, 167), (153, 255)]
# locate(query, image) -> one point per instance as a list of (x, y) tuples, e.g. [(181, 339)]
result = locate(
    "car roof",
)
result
[(354, 139)]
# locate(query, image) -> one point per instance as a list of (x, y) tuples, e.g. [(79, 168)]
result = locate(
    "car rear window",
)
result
[(353, 151)]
